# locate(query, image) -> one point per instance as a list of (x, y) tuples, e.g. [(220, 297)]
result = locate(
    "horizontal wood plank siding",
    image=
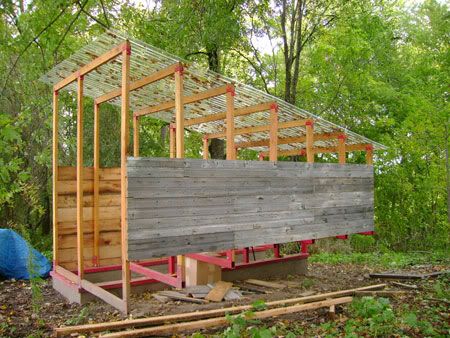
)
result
[(179, 206), (109, 216)]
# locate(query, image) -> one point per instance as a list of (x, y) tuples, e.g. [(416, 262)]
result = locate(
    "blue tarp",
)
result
[(15, 260)]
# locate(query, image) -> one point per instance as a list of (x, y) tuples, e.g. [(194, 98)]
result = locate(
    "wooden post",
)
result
[(310, 141), (172, 147), (341, 148), (135, 136), (80, 239), (96, 256), (179, 112), (179, 141), (171, 268), (123, 173), (369, 154), (273, 133), (55, 179), (231, 151), (205, 148)]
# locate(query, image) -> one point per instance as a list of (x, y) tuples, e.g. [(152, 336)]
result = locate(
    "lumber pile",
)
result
[(177, 323)]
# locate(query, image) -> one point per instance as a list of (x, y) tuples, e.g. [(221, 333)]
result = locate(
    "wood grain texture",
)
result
[(179, 206), (108, 221)]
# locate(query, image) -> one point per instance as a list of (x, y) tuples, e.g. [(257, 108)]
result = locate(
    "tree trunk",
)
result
[(217, 146)]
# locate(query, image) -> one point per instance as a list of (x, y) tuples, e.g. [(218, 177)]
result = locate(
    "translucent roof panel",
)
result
[(146, 59)]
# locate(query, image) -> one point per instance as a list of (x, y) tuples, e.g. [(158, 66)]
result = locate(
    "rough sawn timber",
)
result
[(180, 206)]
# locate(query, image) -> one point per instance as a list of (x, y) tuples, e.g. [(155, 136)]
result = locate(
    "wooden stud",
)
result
[(237, 112), (257, 129), (310, 141), (179, 113), (186, 99), (179, 141), (104, 295), (96, 257), (135, 136), (159, 75), (273, 133), (172, 129), (97, 62), (126, 275), (205, 148), (55, 178), (341, 148), (369, 154), (231, 150), (80, 239)]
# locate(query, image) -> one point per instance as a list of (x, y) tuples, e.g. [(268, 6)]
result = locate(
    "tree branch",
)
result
[(69, 27), (29, 44)]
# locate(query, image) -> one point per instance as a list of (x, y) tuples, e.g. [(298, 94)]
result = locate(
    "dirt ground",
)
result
[(20, 316)]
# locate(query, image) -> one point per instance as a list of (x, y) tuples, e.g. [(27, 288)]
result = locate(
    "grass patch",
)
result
[(386, 259)]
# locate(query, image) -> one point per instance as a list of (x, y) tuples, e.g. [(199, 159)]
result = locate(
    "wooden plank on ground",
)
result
[(265, 283), (219, 291), (173, 329), (180, 296), (203, 314)]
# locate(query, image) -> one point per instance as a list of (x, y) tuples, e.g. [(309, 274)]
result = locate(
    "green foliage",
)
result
[(380, 70), (78, 319), (362, 243), (387, 259)]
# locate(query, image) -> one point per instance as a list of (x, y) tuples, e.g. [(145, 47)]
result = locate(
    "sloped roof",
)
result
[(146, 59)]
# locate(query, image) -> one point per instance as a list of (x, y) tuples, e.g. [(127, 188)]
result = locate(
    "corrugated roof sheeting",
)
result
[(146, 60)]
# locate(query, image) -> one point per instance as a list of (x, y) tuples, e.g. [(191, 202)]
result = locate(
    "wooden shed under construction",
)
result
[(181, 213)]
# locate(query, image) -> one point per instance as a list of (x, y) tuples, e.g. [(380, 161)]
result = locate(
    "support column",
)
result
[(205, 148), (124, 138), (310, 141), (369, 154), (135, 136), (55, 179), (231, 150), (273, 133), (96, 256), (179, 142), (179, 112), (172, 259), (80, 239), (341, 148)]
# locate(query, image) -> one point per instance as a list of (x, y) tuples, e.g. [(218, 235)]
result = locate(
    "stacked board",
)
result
[(109, 216), (179, 206)]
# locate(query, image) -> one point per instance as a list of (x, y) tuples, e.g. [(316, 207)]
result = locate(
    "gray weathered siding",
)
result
[(178, 206)]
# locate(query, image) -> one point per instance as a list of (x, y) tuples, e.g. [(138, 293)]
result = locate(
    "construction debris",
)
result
[(172, 329), (265, 284), (408, 276), (406, 286), (233, 294), (179, 296), (379, 293), (133, 323), (219, 291)]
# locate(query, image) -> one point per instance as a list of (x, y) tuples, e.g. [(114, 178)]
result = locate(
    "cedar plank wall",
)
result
[(109, 216), (178, 206)]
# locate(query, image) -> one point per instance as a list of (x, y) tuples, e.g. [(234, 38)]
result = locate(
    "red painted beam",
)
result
[(159, 276)]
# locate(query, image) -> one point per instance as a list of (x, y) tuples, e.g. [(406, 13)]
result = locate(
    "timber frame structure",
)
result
[(90, 216)]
